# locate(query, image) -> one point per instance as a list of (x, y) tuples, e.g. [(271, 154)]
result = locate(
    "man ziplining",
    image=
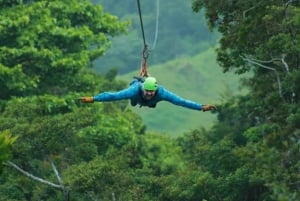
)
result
[(146, 92)]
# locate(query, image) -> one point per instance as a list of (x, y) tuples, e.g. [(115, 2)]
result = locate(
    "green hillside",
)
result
[(197, 78), (175, 22)]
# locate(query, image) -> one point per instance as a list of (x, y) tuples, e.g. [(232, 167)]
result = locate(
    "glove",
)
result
[(88, 99), (208, 107)]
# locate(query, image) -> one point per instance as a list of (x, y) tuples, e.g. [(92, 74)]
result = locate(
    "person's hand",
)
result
[(208, 107), (88, 99)]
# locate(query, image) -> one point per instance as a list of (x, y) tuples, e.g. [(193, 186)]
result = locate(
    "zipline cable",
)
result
[(156, 25), (141, 21), (143, 71)]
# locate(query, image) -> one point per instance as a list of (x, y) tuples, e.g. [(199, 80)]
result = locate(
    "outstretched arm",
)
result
[(112, 96), (177, 100)]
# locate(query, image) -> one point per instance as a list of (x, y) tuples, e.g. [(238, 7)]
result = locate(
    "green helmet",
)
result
[(150, 84)]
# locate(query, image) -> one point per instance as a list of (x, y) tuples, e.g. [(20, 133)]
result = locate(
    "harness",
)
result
[(143, 69), (141, 100)]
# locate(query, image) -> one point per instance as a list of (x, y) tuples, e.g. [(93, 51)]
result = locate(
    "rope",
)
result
[(143, 71), (141, 21)]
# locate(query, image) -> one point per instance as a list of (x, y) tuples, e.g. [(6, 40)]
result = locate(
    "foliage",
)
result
[(102, 151), (82, 132), (262, 36), (44, 41), (6, 141), (135, 167)]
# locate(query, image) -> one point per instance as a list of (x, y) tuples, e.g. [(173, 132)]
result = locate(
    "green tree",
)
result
[(139, 170), (262, 37), (6, 141), (46, 49), (43, 41)]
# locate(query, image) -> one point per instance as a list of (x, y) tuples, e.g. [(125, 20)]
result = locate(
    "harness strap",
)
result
[(143, 71), (142, 102)]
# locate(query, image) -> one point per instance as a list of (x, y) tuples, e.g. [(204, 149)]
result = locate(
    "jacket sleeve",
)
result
[(177, 100), (127, 93)]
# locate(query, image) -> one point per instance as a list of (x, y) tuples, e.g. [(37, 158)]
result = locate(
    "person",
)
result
[(146, 92)]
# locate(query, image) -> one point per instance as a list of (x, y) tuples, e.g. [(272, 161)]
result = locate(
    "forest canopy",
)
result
[(54, 148)]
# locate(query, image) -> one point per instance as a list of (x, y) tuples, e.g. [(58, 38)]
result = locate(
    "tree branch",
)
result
[(286, 66), (65, 190), (282, 60), (253, 7), (56, 173), (9, 163), (256, 62)]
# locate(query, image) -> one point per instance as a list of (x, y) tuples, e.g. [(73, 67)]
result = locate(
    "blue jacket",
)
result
[(135, 93)]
